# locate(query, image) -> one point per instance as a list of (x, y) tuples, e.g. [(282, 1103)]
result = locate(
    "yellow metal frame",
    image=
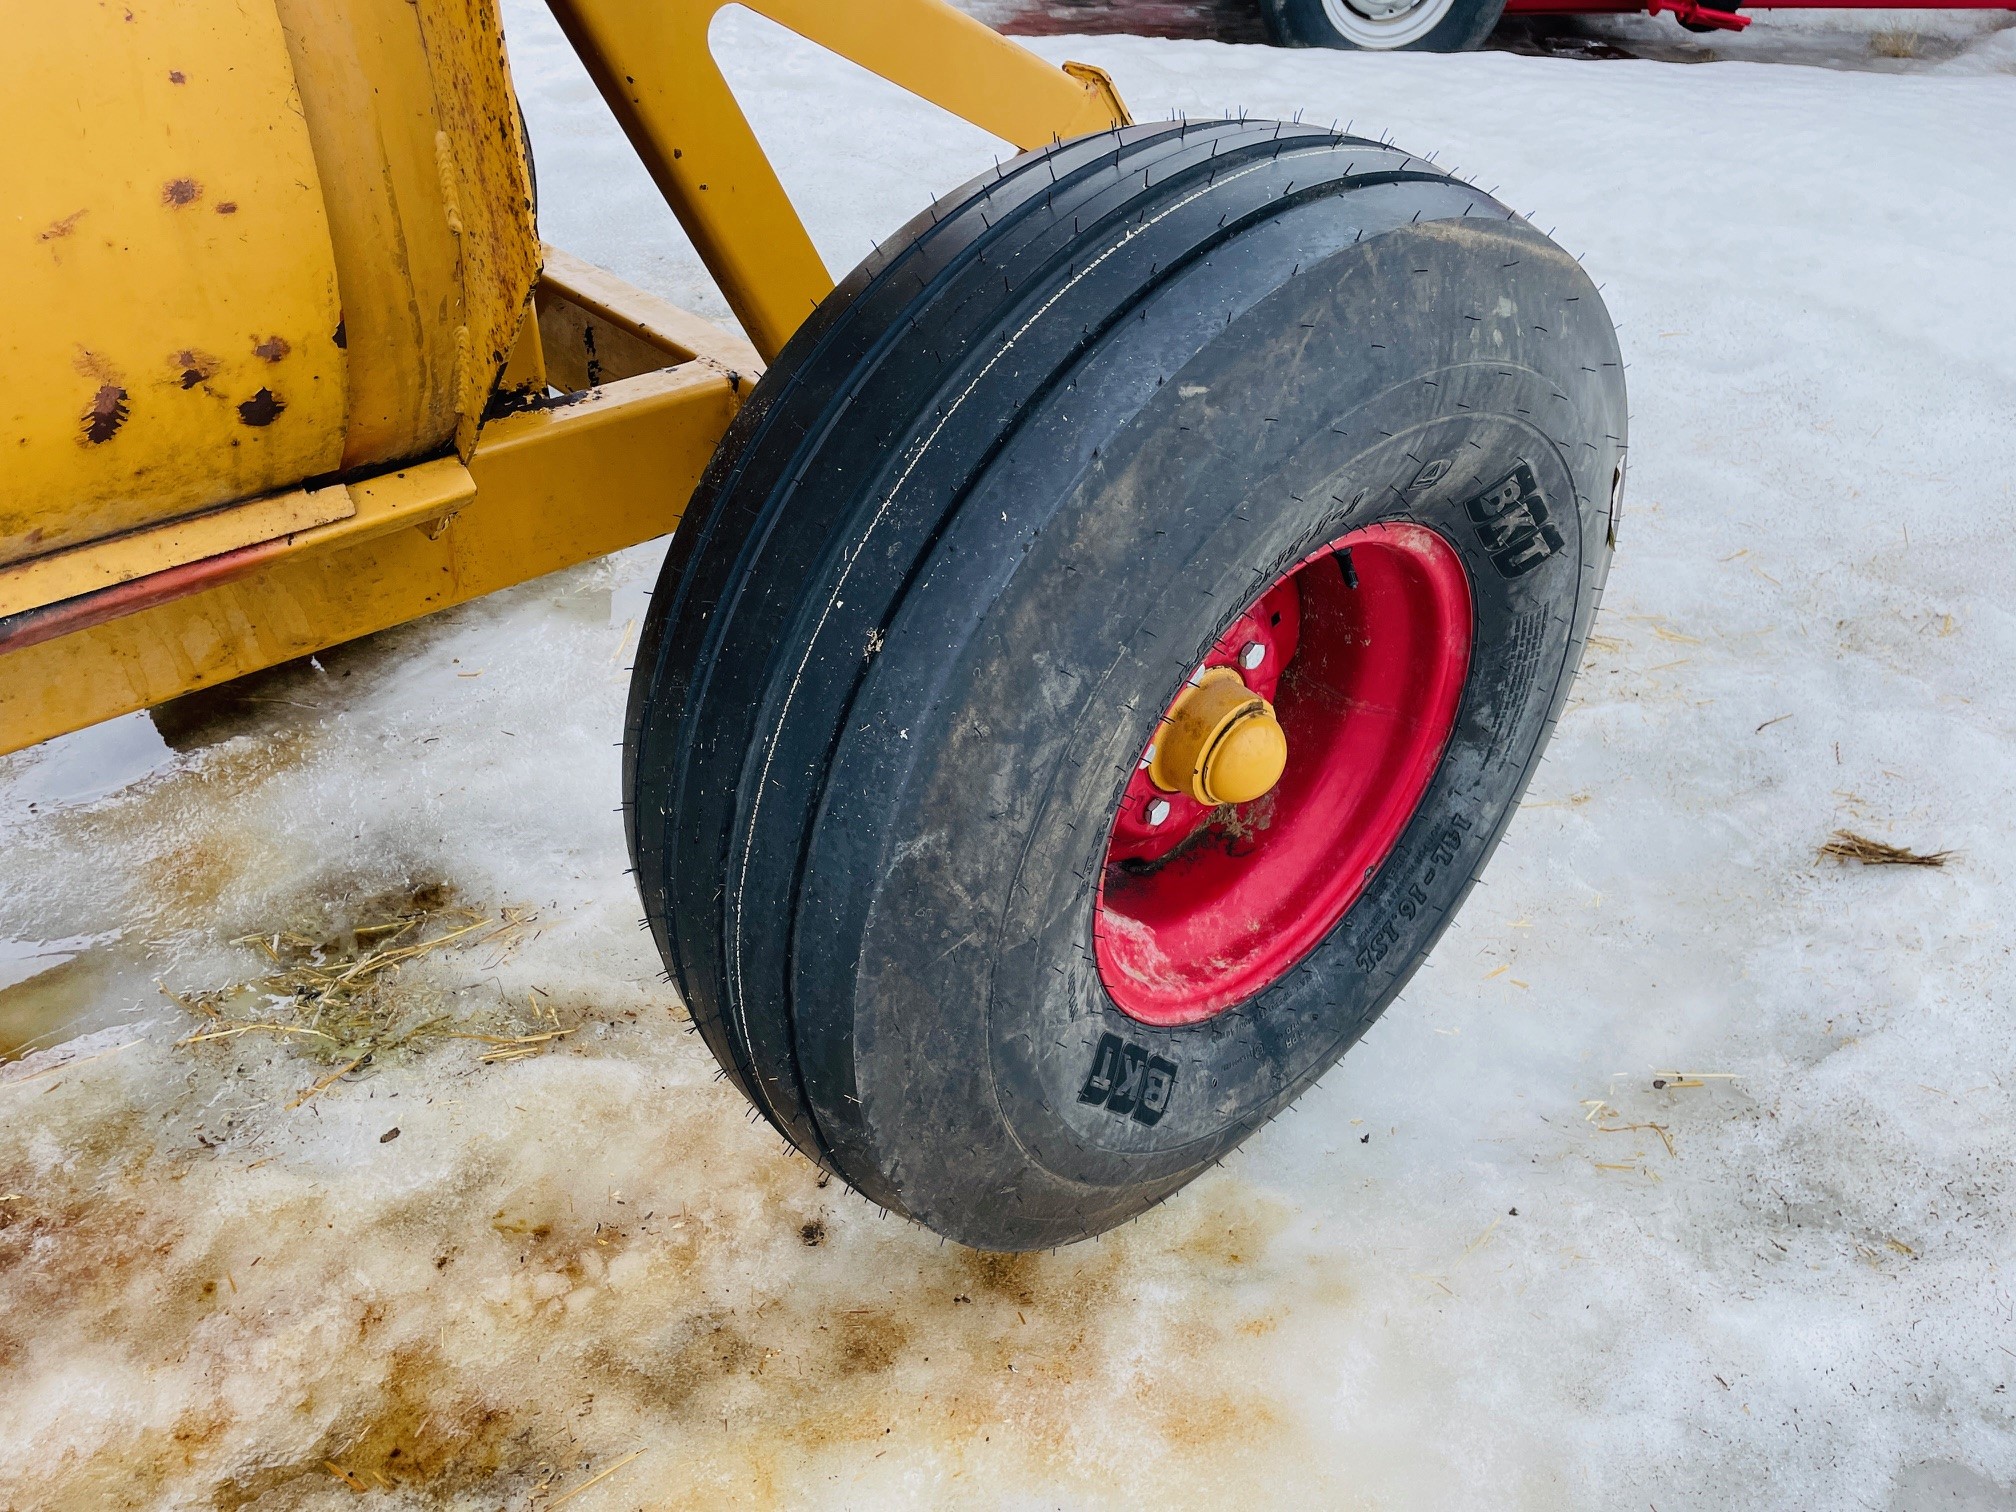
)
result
[(97, 631), (694, 139)]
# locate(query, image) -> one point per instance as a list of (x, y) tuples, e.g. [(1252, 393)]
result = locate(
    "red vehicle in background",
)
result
[(1457, 25)]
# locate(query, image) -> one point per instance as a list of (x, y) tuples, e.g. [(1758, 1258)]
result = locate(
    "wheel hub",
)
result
[(1220, 742), (1385, 25), (1227, 862)]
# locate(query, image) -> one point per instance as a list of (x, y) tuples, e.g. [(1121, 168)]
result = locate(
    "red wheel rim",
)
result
[(1363, 650)]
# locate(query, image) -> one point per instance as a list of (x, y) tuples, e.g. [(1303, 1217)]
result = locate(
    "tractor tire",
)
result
[(1381, 25), (1100, 423)]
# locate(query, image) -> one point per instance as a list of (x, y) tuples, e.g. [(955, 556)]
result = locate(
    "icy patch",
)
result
[(24, 960), (79, 768)]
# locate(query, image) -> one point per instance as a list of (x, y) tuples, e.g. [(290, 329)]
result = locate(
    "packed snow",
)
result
[(1684, 1176)]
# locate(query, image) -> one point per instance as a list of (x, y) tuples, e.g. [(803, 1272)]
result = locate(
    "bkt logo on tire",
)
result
[(1128, 1080), (1512, 523)]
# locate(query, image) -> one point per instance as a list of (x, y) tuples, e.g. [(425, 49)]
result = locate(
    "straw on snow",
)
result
[(1849, 846), (332, 997)]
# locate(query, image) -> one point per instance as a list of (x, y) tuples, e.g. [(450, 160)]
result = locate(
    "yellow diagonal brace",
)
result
[(651, 60)]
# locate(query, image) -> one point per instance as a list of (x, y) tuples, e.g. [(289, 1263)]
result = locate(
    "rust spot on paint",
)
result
[(62, 227), (176, 76), (263, 408), (106, 413), (193, 367), (527, 397), (272, 349), (341, 337), (228, 207), (182, 191), (94, 367)]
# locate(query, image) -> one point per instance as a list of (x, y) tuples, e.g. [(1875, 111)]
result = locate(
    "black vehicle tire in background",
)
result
[(1382, 25), (1011, 484)]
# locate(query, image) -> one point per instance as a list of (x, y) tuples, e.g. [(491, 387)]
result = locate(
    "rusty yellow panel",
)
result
[(525, 376), (551, 488), (488, 187), (584, 352), (416, 131), (170, 340)]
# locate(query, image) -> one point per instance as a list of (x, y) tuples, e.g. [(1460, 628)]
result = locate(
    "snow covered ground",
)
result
[(1492, 1262)]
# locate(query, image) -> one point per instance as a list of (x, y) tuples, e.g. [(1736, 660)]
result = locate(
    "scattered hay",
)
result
[(1895, 42), (1849, 846), (334, 999)]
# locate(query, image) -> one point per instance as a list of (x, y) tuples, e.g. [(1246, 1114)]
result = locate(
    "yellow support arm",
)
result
[(650, 59)]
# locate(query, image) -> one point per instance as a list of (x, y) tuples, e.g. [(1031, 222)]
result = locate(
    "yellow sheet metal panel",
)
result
[(596, 329), (585, 352), (368, 99), (416, 131), (655, 322), (169, 341), (525, 377), (552, 488)]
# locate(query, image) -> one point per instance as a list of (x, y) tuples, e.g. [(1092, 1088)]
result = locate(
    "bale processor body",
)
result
[(285, 241), (1106, 645), (276, 260), (267, 272)]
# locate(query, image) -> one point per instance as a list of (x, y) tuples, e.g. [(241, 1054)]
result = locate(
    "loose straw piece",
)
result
[(1664, 1138), (348, 1478), (593, 1479), (333, 1077)]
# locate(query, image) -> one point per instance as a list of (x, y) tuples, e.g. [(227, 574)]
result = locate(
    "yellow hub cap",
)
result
[(1221, 742)]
